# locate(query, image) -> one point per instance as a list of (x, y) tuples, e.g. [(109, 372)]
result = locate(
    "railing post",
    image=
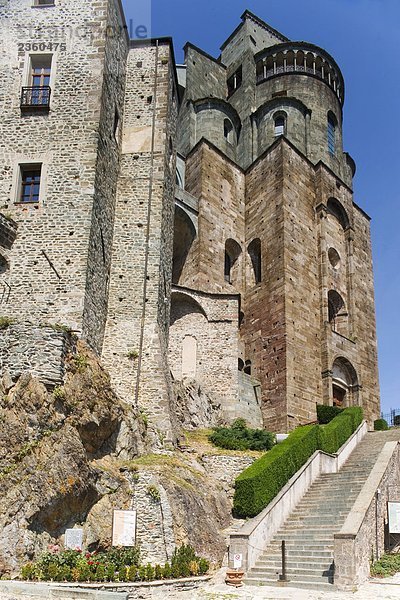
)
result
[(283, 576)]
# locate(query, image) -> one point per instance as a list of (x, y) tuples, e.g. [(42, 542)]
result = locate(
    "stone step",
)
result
[(322, 586), (293, 551), (293, 565)]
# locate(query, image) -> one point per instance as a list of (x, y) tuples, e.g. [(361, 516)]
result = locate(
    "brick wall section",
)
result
[(142, 228)]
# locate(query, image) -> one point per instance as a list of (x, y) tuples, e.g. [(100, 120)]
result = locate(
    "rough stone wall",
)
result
[(263, 328), (40, 351), (155, 534), (134, 347), (48, 260), (302, 302), (319, 99), (211, 322), (219, 186), (107, 171), (226, 468)]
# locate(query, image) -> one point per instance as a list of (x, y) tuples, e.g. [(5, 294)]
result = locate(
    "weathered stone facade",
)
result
[(267, 265), (275, 222)]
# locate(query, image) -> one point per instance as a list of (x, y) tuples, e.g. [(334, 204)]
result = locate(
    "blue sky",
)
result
[(363, 37)]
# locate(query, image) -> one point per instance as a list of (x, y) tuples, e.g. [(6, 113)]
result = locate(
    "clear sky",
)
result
[(363, 37)]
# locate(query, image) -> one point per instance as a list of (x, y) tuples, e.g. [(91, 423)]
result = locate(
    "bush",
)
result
[(117, 564), (325, 414), (387, 565), (240, 437), (259, 483), (380, 425), (263, 480)]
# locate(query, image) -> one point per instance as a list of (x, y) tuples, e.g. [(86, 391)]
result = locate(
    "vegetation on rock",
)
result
[(240, 437)]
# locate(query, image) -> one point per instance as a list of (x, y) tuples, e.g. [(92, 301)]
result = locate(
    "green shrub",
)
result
[(259, 483), (325, 414), (240, 437), (116, 564), (6, 322), (380, 425), (387, 565), (263, 480)]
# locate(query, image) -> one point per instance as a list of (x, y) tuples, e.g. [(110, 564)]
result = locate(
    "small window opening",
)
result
[(30, 183), (235, 81), (116, 128), (232, 253), (331, 135), (43, 3), (279, 126), (240, 364), (254, 250), (247, 367), (228, 131)]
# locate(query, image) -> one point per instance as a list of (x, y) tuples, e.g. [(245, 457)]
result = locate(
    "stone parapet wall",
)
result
[(225, 468), (365, 530), (41, 351)]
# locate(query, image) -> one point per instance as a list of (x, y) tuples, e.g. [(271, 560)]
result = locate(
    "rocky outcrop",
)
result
[(50, 444)]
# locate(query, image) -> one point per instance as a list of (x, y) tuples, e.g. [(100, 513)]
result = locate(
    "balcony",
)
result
[(36, 98)]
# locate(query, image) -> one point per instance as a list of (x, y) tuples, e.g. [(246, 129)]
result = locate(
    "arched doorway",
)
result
[(345, 384)]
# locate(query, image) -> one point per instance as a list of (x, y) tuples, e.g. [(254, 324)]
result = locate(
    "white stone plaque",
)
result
[(394, 517), (237, 561), (74, 539), (124, 528)]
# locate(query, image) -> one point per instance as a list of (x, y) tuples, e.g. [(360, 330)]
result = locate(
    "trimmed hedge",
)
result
[(264, 479), (260, 483), (381, 425), (325, 413)]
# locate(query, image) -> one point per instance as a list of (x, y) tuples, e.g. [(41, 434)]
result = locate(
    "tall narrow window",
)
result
[(228, 131), (331, 135), (254, 250), (30, 183), (232, 253), (279, 125), (235, 81), (37, 94)]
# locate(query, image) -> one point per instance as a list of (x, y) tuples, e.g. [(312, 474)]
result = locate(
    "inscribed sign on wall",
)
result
[(394, 517), (124, 528)]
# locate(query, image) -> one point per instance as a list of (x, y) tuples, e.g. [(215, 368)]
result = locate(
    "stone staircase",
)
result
[(309, 530)]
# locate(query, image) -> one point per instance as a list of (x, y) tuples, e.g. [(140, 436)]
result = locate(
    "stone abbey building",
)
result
[(192, 222)]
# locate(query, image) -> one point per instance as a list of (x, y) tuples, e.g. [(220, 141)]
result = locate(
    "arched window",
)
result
[(336, 209), (240, 364), (332, 122), (228, 131), (279, 125), (232, 253), (335, 305), (254, 250)]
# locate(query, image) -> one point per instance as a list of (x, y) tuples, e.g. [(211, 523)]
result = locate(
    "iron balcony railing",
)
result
[(36, 97)]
